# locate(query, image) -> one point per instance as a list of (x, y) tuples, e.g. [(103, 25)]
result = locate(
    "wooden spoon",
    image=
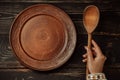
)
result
[(90, 21)]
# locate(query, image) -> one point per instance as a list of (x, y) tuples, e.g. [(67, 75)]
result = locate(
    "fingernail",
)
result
[(83, 55), (92, 40), (85, 47), (83, 60)]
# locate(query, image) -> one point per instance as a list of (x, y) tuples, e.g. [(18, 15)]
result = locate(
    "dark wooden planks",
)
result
[(68, 6), (104, 25), (73, 8), (26, 74), (59, 74), (55, 1), (109, 13), (5, 49)]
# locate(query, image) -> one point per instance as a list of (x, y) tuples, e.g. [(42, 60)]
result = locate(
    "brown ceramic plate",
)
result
[(43, 37)]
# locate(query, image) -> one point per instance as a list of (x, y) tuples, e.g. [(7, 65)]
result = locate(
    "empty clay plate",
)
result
[(43, 37)]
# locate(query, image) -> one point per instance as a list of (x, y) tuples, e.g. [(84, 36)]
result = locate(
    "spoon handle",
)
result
[(89, 40), (89, 46)]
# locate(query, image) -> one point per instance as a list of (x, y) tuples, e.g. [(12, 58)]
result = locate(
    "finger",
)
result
[(85, 47), (84, 60), (95, 44), (89, 54), (85, 55), (93, 48), (93, 51), (96, 48)]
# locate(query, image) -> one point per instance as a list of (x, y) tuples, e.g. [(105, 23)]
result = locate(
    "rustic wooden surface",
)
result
[(107, 36)]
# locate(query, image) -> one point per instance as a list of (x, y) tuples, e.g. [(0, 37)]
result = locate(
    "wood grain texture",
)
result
[(109, 13), (26, 74), (57, 1), (107, 35)]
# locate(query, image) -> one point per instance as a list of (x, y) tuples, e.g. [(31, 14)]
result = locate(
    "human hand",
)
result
[(94, 58)]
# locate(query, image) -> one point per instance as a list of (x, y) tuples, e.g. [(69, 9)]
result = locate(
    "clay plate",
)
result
[(43, 37)]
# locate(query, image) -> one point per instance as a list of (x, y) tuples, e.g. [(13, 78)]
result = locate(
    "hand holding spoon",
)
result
[(90, 21)]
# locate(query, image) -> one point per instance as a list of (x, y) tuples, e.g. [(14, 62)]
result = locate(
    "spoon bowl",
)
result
[(90, 18)]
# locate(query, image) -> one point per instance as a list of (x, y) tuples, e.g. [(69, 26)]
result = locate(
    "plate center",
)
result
[(42, 37)]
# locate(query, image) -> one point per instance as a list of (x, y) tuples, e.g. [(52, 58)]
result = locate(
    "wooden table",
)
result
[(107, 35)]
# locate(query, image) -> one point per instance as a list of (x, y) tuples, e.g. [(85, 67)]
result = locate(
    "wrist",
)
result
[(96, 76)]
